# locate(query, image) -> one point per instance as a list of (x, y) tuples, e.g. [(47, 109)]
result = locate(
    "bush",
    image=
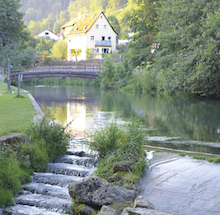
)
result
[(53, 136), (115, 144), (36, 154), (105, 141), (11, 177)]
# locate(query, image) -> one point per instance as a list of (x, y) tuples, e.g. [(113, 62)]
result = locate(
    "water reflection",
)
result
[(87, 108)]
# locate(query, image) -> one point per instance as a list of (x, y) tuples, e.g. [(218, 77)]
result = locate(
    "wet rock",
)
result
[(142, 202), (96, 192), (143, 211), (106, 210), (108, 195), (82, 192), (87, 210), (112, 177), (123, 166)]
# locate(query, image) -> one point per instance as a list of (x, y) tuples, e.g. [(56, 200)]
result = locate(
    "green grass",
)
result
[(16, 113)]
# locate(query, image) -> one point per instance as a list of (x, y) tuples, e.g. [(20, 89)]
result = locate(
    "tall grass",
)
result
[(53, 136), (44, 142), (116, 144)]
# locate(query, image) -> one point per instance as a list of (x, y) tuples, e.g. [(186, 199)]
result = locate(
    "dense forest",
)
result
[(174, 48)]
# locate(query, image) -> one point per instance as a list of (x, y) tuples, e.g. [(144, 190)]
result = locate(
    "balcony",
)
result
[(103, 43)]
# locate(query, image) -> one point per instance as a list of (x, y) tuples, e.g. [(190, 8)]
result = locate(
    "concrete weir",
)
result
[(182, 184)]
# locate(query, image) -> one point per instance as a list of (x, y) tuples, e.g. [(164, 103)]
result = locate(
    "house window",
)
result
[(97, 50), (70, 40), (101, 17), (109, 38), (105, 26), (103, 38), (92, 38), (97, 26), (104, 50), (46, 33)]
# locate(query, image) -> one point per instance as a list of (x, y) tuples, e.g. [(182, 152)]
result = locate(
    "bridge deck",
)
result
[(46, 72)]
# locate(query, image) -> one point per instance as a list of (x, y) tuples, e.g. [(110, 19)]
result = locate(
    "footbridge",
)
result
[(26, 72)]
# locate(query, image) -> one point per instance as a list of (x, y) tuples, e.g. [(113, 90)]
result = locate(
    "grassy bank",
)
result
[(41, 143), (16, 113)]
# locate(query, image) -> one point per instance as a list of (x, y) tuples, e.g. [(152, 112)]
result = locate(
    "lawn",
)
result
[(16, 113)]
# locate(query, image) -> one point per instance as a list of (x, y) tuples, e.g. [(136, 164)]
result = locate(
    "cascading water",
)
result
[(48, 192)]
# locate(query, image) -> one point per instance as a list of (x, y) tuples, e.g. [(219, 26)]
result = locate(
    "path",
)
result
[(183, 185)]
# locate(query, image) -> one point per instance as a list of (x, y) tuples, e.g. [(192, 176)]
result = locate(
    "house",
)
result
[(48, 35), (89, 34)]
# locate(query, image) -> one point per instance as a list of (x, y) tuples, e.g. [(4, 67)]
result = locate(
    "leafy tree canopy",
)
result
[(189, 57), (14, 36)]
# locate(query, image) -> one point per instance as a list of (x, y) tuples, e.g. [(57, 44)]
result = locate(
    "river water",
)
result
[(172, 183), (88, 108)]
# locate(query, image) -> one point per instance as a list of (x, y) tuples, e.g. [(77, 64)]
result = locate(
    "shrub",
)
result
[(54, 137), (6, 197), (216, 160), (11, 177), (105, 141), (115, 144), (36, 154)]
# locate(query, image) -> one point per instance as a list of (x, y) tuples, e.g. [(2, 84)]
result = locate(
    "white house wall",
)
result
[(77, 42)]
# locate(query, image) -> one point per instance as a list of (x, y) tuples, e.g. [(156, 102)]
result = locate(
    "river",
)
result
[(172, 183), (87, 108)]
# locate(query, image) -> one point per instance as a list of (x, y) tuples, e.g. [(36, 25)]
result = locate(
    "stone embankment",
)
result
[(95, 193)]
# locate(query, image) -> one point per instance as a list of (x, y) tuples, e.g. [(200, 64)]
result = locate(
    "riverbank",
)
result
[(17, 113)]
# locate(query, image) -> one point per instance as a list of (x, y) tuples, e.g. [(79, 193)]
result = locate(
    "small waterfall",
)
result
[(48, 192)]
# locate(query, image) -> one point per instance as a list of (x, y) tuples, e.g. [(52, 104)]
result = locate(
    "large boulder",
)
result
[(143, 211), (96, 192), (142, 202), (82, 192), (109, 195)]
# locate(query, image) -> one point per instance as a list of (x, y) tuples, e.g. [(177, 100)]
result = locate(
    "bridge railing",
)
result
[(56, 68)]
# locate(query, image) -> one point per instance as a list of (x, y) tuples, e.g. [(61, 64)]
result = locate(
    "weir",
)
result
[(48, 192)]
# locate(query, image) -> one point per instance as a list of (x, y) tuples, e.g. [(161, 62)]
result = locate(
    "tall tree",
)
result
[(12, 30), (141, 17), (59, 50), (189, 57)]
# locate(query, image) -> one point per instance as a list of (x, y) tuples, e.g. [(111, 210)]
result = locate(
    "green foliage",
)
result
[(114, 75), (59, 50), (33, 155), (46, 141), (188, 58), (143, 79), (115, 144), (216, 160), (106, 140), (6, 197), (44, 45), (54, 137), (11, 177), (14, 37)]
